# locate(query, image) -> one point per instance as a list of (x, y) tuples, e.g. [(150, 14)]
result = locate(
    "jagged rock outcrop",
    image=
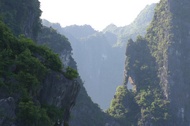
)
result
[(95, 59), (85, 112), (169, 33), (7, 111), (159, 67), (139, 64), (36, 88), (61, 93)]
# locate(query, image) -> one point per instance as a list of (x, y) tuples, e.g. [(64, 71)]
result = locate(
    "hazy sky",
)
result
[(97, 13)]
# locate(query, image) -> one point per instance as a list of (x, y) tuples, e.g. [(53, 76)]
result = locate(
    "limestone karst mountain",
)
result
[(158, 64), (37, 86), (100, 55)]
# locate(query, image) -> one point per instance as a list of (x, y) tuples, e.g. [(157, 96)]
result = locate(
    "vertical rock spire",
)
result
[(168, 37)]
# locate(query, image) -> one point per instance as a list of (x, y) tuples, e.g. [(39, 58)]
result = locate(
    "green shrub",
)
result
[(71, 73), (30, 114)]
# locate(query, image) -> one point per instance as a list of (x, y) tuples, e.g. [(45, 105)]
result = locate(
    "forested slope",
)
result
[(36, 87), (157, 67)]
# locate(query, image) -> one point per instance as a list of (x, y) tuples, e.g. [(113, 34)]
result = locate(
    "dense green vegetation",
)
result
[(60, 45), (146, 101), (123, 107), (140, 64), (157, 65), (168, 39), (22, 55), (23, 67), (30, 114)]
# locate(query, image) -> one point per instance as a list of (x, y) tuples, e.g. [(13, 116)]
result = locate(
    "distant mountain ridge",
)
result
[(100, 56), (137, 27)]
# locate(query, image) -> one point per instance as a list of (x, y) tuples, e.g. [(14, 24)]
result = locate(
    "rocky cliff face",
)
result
[(60, 95), (85, 112), (33, 84), (139, 65), (171, 35), (21, 16), (95, 58), (160, 66), (8, 111), (34, 87), (144, 104)]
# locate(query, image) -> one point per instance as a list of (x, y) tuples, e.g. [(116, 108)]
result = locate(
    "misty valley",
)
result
[(135, 75)]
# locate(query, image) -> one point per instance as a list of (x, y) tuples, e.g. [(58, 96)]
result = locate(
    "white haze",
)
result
[(97, 13)]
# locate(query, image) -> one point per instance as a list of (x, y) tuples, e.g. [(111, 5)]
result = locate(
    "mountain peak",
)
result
[(110, 27), (80, 31)]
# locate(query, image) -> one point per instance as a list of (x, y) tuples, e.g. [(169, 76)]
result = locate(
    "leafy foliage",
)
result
[(23, 67), (153, 106), (59, 44), (123, 107), (71, 73), (54, 113), (32, 115), (147, 103), (140, 65), (168, 39)]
